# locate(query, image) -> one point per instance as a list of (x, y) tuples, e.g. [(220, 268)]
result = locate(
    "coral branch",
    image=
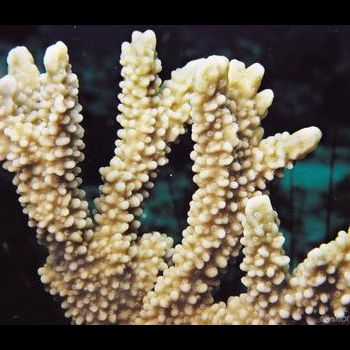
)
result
[(280, 151), (43, 139), (318, 292)]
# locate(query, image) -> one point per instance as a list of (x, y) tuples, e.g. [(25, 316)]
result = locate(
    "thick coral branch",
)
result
[(43, 139), (179, 290), (265, 262)]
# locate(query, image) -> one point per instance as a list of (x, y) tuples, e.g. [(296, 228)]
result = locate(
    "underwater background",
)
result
[(308, 68)]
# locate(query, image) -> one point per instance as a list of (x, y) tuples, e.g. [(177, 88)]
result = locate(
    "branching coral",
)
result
[(318, 292), (102, 270)]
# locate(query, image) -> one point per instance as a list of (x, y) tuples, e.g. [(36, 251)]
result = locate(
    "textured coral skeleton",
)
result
[(100, 267), (318, 292)]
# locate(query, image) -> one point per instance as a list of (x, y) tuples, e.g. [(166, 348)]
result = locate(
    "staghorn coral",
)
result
[(318, 292), (102, 270)]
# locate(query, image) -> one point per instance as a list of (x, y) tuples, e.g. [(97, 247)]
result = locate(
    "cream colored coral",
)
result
[(42, 141), (232, 164), (317, 292), (103, 272), (42, 144)]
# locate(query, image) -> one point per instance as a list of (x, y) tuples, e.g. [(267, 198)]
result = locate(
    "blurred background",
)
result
[(307, 66)]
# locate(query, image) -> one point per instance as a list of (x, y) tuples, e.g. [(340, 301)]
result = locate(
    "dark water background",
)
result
[(307, 66)]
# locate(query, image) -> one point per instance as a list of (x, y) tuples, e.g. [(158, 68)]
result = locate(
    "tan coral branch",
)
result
[(318, 292)]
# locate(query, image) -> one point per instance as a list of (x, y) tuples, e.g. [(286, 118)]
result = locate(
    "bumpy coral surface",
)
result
[(318, 292), (102, 270)]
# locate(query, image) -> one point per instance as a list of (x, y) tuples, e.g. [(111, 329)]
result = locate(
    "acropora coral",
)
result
[(100, 267)]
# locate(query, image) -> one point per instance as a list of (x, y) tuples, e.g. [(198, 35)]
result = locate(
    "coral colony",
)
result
[(101, 269)]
